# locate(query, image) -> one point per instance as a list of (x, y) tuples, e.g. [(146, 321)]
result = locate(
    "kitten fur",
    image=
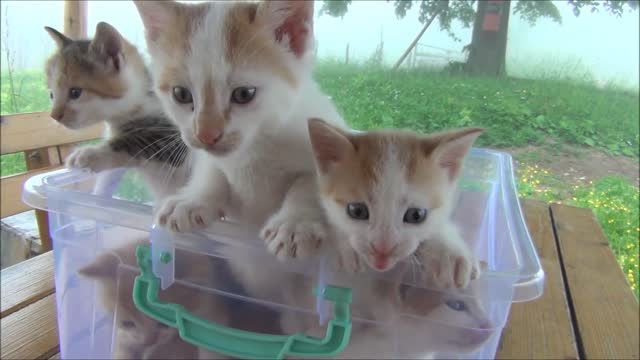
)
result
[(114, 86), (136, 335), (427, 323), (391, 172), (253, 160)]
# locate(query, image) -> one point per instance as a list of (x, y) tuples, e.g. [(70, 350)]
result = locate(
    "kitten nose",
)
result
[(210, 137), (382, 248)]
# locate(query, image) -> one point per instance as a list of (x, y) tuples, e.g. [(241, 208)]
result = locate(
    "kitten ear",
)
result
[(60, 39), (105, 266), (156, 16), (291, 22), (452, 147), (107, 45), (330, 145)]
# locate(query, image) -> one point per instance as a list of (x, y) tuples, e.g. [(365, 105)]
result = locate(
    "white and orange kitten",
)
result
[(389, 197), (236, 77), (105, 79), (390, 194)]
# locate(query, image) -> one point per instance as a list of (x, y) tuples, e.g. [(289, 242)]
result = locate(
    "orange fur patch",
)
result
[(249, 42), (356, 177)]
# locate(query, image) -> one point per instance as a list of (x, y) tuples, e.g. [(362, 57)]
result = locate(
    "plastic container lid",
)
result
[(528, 273)]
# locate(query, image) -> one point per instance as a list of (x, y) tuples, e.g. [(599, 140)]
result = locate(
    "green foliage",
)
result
[(12, 164), (31, 92), (515, 112), (464, 11)]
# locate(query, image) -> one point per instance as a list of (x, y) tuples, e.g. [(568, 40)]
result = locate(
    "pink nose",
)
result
[(381, 248), (210, 137)]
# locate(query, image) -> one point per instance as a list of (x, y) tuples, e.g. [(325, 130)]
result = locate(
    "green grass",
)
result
[(31, 93), (515, 112)]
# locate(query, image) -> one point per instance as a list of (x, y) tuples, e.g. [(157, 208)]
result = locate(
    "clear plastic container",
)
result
[(95, 215)]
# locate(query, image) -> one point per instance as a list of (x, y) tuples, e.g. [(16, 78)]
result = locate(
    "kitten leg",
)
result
[(197, 204), (98, 158), (298, 229), (446, 257)]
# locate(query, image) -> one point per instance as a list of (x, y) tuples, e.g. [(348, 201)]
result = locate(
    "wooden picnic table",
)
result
[(587, 311)]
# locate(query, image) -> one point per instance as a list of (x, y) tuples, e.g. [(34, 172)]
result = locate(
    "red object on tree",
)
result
[(491, 20)]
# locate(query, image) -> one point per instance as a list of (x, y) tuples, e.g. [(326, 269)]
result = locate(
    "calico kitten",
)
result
[(136, 335), (390, 195), (105, 79), (236, 78)]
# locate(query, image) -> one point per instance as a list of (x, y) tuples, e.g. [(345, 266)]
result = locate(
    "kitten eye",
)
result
[(358, 211), (74, 93), (414, 215), (182, 95), (127, 324), (243, 95), (456, 305), (51, 95)]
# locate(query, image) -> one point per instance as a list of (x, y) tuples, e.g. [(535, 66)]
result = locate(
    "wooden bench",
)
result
[(587, 311)]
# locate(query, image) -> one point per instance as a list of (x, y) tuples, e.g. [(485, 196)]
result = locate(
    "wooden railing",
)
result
[(45, 145), (44, 142)]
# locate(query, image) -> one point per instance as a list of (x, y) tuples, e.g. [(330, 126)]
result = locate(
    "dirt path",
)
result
[(578, 165)]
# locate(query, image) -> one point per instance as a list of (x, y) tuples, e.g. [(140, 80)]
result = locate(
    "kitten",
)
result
[(390, 195), (105, 79), (236, 78), (137, 335), (422, 323)]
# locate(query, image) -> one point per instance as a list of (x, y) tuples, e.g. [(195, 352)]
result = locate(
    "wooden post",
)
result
[(75, 18)]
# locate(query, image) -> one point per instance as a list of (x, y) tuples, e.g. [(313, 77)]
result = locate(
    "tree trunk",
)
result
[(488, 49)]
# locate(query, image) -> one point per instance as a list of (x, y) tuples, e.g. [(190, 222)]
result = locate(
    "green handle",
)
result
[(240, 343)]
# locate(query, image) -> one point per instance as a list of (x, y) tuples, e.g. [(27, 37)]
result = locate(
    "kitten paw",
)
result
[(289, 237), (182, 214), (88, 158), (451, 266)]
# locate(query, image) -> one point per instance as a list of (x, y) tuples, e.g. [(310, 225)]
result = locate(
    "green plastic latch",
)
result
[(240, 343)]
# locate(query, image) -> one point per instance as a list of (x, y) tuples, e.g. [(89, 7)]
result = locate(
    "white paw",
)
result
[(292, 237), (184, 214), (88, 158), (450, 266)]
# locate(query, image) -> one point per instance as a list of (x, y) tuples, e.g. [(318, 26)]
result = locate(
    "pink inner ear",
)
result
[(297, 32), (451, 159)]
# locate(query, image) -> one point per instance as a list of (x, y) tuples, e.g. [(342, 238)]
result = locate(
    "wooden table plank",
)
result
[(604, 308), (31, 332), (541, 329), (26, 283)]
